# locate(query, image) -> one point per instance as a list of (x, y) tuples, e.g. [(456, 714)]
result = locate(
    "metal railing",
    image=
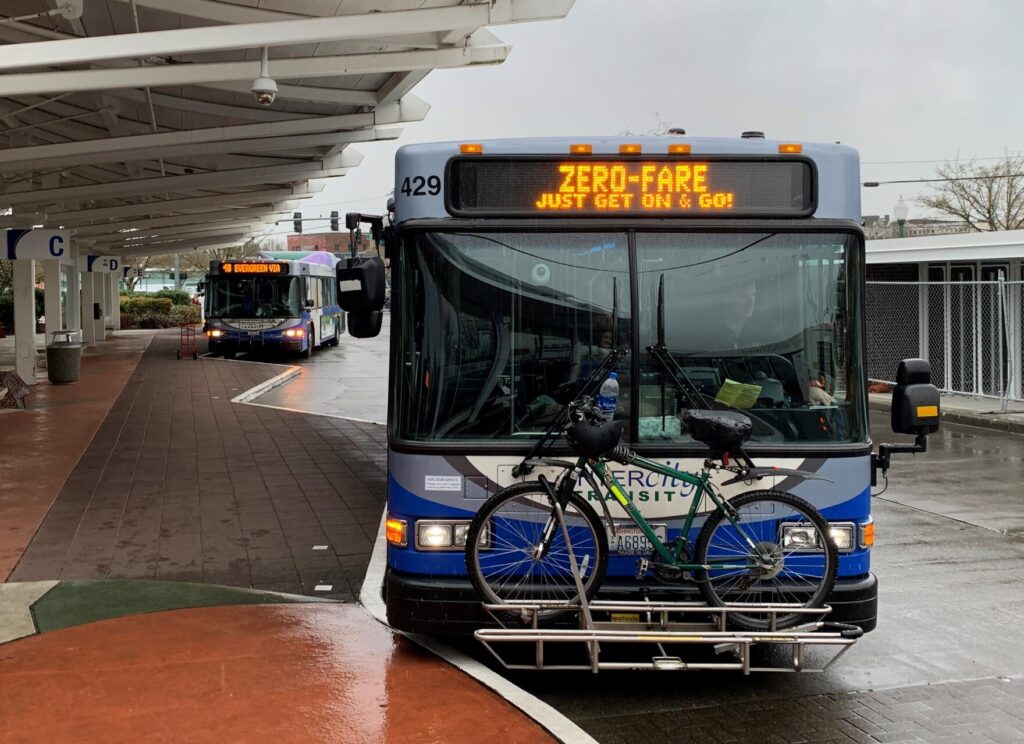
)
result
[(970, 331)]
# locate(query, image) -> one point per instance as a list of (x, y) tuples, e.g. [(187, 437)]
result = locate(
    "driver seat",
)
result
[(722, 431)]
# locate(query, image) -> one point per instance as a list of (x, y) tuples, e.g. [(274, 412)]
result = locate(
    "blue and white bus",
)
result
[(287, 304), (517, 264)]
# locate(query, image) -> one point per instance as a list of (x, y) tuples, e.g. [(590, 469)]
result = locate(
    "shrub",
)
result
[(147, 305), (154, 320), (185, 314), (127, 320), (7, 307), (176, 296)]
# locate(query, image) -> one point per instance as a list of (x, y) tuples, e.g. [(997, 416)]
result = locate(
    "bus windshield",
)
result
[(497, 331), (255, 297)]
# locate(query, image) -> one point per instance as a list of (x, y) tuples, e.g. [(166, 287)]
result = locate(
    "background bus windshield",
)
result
[(497, 331), (255, 297)]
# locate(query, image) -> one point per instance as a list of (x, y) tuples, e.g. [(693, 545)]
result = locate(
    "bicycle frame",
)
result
[(703, 486)]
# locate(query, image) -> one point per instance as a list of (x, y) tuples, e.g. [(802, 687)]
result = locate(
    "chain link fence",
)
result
[(972, 332)]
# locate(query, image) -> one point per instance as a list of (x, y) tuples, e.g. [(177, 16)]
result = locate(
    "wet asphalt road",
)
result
[(949, 556), (950, 560)]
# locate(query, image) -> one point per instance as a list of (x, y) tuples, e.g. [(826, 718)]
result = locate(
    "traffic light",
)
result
[(297, 221), (334, 220)]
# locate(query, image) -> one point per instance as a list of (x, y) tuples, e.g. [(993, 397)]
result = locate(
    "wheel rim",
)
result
[(508, 566), (786, 568)]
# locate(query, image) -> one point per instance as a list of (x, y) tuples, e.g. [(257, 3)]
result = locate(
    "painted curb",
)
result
[(267, 385), (545, 715)]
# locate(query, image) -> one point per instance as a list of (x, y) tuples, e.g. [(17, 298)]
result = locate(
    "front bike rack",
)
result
[(641, 634)]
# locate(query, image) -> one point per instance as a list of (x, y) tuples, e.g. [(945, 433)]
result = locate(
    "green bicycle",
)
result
[(761, 547)]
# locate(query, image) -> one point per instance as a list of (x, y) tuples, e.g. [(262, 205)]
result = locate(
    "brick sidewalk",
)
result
[(181, 484), (987, 711)]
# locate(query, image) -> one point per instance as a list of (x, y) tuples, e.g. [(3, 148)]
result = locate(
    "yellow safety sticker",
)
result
[(625, 617), (927, 411)]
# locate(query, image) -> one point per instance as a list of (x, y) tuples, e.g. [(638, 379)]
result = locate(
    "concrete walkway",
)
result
[(40, 446), (180, 484), (961, 409)]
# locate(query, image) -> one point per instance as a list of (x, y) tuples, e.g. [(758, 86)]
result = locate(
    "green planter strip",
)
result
[(79, 602)]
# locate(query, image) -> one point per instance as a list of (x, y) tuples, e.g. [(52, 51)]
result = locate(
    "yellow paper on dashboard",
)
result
[(738, 394)]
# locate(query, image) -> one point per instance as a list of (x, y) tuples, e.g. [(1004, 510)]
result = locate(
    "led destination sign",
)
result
[(654, 187), (252, 267)]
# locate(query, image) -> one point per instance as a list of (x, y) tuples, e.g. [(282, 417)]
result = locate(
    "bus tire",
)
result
[(310, 342), (532, 492)]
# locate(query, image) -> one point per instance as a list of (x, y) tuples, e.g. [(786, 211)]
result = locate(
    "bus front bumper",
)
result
[(450, 605)]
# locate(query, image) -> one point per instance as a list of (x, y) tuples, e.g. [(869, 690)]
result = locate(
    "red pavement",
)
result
[(263, 673), (39, 447), (255, 673)]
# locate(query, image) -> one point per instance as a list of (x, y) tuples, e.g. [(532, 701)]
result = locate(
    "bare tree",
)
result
[(141, 264), (986, 197)]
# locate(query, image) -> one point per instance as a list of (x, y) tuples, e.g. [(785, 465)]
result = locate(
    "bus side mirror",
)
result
[(361, 286), (365, 325), (915, 401), (915, 410)]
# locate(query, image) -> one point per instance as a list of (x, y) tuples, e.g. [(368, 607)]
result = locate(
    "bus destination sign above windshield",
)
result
[(648, 187), (252, 267)]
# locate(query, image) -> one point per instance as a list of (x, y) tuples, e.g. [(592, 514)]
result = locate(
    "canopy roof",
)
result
[(132, 123)]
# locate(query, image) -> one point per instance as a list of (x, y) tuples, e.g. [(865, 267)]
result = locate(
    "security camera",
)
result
[(265, 90)]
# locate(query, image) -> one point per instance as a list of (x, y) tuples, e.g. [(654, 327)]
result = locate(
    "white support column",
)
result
[(88, 297), (115, 307), (104, 280), (52, 307), (100, 323), (74, 294), (25, 320)]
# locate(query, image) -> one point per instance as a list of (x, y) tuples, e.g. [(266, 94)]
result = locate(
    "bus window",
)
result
[(755, 321), (500, 331)]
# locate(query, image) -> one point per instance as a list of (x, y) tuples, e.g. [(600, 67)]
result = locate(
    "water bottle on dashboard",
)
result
[(608, 398)]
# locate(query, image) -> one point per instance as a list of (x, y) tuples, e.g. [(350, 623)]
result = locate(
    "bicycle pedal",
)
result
[(642, 565)]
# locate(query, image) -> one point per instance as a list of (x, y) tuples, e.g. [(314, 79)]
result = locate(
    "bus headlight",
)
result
[(449, 534), (215, 333), (805, 537)]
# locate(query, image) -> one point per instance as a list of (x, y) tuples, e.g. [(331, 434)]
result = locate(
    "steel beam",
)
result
[(276, 33), (174, 184), (234, 146), (216, 72)]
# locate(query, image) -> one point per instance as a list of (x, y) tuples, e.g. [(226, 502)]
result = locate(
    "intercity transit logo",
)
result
[(643, 486)]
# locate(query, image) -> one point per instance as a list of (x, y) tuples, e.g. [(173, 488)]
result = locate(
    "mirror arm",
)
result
[(882, 459)]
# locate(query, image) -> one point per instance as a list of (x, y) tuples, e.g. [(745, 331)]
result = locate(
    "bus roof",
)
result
[(837, 166)]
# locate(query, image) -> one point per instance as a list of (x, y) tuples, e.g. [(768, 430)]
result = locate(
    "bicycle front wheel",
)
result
[(779, 550), (516, 551)]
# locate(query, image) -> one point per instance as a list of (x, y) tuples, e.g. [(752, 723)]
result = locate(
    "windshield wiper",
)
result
[(668, 363)]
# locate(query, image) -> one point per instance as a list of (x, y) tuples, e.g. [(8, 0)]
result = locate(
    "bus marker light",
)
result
[(631, 148), (790, 149), (394, 531), (581, 149), (471, 148), (679, 149), (867, 535)]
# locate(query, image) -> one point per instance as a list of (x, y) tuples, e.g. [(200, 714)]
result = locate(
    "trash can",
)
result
[(63, 359)]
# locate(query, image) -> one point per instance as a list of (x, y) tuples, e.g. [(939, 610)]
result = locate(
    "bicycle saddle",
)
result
[(591, 436), (722, 431)]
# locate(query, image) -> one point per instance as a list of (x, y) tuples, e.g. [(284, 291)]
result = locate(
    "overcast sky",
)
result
[(911, 80)]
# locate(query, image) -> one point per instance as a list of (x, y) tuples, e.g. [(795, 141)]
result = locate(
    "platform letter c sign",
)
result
[(56, 246)]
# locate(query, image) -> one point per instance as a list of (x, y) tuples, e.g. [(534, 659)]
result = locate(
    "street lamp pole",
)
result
[(900, 212)]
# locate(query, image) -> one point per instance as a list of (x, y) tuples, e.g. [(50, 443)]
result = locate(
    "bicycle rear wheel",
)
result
[(502, 555), (793, 561)]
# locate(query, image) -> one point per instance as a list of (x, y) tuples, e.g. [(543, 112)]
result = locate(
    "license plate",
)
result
[(632, 541)]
